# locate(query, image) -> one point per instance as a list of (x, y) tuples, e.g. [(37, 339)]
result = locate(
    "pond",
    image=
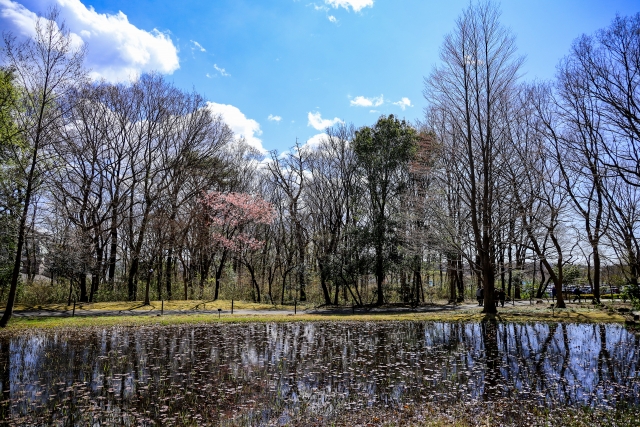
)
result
[(271, 374)]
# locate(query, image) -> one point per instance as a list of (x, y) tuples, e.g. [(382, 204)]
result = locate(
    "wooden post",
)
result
[(231, 306)]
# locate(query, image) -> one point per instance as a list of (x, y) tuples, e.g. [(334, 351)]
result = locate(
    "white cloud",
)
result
[(314, 141), (332, 19), (117, 49), (198, 46), (356, 5), (403, 103), (243, 127), (318, 123), (17, 18), (273, 118), (208, 75), (361, 101), (222, 71)]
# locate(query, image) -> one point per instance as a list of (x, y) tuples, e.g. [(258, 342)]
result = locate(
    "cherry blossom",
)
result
[(231, 217)]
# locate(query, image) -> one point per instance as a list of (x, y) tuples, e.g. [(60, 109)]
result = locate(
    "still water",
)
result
[(267, 373)]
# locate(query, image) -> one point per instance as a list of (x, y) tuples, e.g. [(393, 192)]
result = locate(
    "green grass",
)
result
[(536, 313)]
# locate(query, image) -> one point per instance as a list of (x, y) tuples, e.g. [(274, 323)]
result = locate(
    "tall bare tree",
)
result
[(606, 68), (288, 173), (47, 69), (332, 169), (477, 77)]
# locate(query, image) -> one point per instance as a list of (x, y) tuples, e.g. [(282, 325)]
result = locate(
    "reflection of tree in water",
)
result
[(566, 357), (540, 378), (492, 374), (225, 370), (5, 381), (614, 348), (604, 359)]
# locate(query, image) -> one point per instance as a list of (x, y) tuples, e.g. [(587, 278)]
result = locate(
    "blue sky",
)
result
[(279, 70)]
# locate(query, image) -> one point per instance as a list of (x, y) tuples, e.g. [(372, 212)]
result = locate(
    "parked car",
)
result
[(609, 289)]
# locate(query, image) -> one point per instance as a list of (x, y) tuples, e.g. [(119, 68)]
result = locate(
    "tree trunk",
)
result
[(147, 286), (97, 269), (323, 283), (114, 247), (379, 276), (510, 272), (453, 278), (417, 279), (83, 287), (205, 264), (596, 274), (301, 264), (404, 288), (17, 262), (254, 282), (284, 286), (488, 282), (159, 274), (132, 280), (168, 271), (460, 273), (70, 291), (219, 275)]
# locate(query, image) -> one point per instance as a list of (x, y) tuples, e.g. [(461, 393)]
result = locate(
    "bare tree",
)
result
[(288, 173), (537, 189), (332, 169), (624, 229), (78, 182), (446, 212), (477, 77), (47, 69), (573, 127), (418, 238), (606, 68), (194, 150)]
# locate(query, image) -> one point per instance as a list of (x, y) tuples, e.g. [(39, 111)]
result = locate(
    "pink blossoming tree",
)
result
[(231, 218)]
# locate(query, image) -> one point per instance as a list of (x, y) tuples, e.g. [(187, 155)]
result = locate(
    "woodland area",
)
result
[(138, 192)]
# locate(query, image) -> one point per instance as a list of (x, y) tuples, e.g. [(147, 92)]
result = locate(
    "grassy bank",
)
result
[(537, 313)]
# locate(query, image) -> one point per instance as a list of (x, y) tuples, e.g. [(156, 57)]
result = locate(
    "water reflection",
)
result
[(272, 372)]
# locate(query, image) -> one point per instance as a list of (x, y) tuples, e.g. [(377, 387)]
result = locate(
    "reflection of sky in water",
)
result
[(316, 367)]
